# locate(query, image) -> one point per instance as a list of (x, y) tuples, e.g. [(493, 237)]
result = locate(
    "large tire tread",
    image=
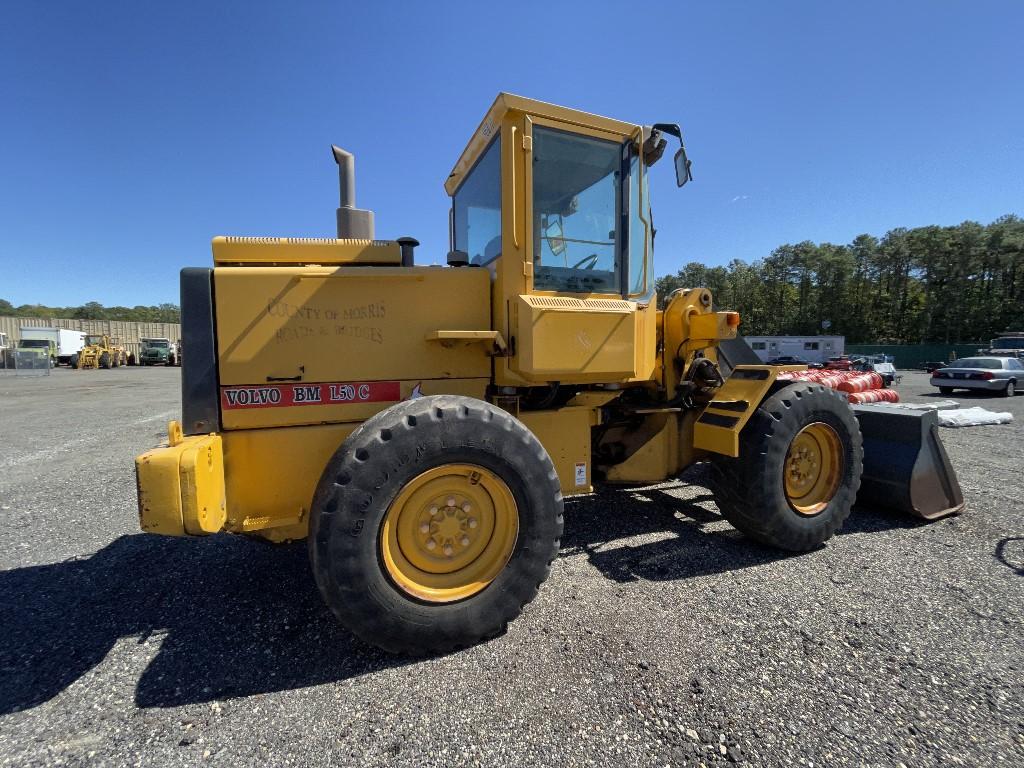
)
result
[(384, 453), (749, 490)]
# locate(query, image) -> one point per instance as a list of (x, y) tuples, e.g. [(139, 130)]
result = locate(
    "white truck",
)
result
[(65, 342), (6, 353)]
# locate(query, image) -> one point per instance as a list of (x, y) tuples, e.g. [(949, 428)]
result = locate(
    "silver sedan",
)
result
[(1004, 375)]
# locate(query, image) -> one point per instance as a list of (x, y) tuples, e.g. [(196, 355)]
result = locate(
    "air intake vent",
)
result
[(579, 305), (555, 302), (613, 304), (253, 240)]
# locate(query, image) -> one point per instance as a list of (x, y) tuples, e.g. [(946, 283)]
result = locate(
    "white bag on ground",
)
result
[(935, 405), (973, 417)]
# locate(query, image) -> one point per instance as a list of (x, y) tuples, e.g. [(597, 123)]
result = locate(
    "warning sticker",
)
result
[(287, 395), (581, 474)]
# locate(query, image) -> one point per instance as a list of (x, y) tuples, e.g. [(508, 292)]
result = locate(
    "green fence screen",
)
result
[(915, 355)]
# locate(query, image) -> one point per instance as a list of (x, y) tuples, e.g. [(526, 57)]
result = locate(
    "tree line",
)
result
[(963, 283), (93, 310)]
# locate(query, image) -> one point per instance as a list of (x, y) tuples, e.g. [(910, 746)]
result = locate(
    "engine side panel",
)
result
[(309, 345)]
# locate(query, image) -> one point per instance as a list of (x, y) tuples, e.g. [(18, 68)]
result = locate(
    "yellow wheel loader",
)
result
[(99, 352), (422, 424)]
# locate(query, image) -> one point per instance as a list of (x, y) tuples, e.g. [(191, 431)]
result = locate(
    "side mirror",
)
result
[(683, 164)]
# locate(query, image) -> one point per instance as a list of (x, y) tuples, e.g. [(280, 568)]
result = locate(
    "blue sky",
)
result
[(132, 133)]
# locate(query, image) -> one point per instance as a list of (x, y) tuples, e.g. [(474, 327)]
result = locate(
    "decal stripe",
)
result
[(327, 393)]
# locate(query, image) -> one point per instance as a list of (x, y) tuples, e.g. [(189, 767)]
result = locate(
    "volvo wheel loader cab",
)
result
[(421, 425)]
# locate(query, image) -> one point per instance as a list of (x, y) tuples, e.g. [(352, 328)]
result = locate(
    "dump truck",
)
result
[(35, 354), (420, 426), (157, 352), (99, 352)]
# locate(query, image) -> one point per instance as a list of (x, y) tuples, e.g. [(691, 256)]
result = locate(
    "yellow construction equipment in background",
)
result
[(422, 424), (99, 352)]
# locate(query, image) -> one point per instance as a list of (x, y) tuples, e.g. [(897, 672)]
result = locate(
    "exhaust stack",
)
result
[(353, 223)]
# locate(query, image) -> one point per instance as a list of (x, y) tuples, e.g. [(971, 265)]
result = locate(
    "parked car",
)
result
[(787, 360), (840, 363), (990, 374), (932, 365)]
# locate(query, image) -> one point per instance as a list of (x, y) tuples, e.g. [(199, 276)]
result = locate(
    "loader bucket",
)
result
[(905, 466)]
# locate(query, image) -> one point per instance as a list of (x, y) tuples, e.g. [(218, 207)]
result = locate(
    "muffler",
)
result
[(905, 465)]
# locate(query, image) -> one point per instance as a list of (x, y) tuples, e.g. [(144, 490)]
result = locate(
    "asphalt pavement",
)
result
[(662, 637)]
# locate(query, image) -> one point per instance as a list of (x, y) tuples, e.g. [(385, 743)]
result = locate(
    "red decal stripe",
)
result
[(330, 393)]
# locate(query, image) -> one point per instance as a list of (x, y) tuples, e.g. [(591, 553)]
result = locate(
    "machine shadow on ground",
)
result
[(699, 542), (233, 617)]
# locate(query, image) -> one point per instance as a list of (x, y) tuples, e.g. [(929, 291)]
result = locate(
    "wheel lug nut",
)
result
[(451, 501), (448, 550), (466, 507), (472, 522), (433, 510), (465, 541), (425, 528), (431, 544)]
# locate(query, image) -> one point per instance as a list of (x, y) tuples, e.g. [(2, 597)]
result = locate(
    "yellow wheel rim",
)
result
[(449, 533), (813, 468)]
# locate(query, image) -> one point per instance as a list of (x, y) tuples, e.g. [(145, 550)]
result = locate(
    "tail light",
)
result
[(986, 376), (938, 375)]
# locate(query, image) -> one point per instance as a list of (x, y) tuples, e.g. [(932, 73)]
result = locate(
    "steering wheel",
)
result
[(587, 262)]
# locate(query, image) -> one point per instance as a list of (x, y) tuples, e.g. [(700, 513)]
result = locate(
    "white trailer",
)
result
[(65, 342), (813, 349)]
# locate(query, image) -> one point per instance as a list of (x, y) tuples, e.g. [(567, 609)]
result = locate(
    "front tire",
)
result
[(434, 524), (945, 390), (798, 472)]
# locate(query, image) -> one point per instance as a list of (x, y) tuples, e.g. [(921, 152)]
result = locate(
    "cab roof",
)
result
[(508, 102)]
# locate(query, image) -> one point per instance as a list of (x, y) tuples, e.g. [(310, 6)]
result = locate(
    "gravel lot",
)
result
[(661, 638)]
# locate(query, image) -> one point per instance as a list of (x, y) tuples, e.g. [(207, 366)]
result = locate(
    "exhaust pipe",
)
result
[(353, 223)]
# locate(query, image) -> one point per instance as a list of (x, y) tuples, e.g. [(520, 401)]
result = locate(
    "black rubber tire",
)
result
[(73, 362), (749, 490), (105, 360), (945, 390), (1011, 389), (366, 474)]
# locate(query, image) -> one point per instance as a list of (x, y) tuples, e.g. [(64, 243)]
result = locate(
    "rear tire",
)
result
[(105, 360), (1011, 389), (945, 390), (73, 362), (754, 492), (380, 469)]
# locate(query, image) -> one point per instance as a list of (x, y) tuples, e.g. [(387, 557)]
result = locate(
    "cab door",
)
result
[(572, 322)]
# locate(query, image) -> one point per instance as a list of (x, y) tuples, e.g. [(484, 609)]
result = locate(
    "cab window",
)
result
[(576, 190), (476, 210), (641, 247)]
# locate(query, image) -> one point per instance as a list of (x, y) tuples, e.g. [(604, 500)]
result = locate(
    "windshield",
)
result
[(90, 340), (576, 187), (476, 210), (156, 344), (992, 363), (34, 343)]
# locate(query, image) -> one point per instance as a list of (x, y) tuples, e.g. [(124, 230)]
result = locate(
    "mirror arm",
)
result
[(672, 129)]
